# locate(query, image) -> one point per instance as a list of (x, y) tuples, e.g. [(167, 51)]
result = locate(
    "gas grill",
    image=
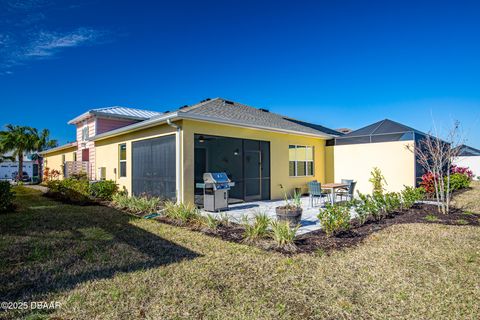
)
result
[(215, 191)]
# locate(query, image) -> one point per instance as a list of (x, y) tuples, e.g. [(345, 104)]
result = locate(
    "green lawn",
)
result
[(100, 263)]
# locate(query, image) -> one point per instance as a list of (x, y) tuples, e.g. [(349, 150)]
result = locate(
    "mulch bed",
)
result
[(317, 241)]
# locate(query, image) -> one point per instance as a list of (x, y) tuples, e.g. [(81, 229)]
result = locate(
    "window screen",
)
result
[(300, 161), (122, 156), (153, 167)]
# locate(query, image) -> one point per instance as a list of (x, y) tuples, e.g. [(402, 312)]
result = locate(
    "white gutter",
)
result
[(178, 162), (62, 147)]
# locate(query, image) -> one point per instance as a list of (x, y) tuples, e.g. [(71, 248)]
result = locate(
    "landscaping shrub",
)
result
[(182, 212), (380, 206), (6, 196), (459, 181), (460, 178), (210, 221), (283, 234), (79, 176), (79, 190), (134, 204), (259, 228), (70, 189), (144, 204), (428, 182), (378, 180), (462, 170), (121, 200), (334, 218), (392, 202), (104, 189), (365, 207), (49, 175), (410, 195)]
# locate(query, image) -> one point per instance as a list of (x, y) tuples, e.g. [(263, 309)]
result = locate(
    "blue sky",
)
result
[(336, 63)]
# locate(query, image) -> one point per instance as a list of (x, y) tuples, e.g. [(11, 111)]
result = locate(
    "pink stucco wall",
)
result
[(104, 125), (96, 126)]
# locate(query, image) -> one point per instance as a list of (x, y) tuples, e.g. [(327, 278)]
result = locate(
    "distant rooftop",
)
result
[(385, 126), (382, 131), (467, 151)]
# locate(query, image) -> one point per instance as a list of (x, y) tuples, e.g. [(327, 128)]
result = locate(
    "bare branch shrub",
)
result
[(436, 156)]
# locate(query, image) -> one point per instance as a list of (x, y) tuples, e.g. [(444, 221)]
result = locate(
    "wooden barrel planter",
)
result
[(291, 214)]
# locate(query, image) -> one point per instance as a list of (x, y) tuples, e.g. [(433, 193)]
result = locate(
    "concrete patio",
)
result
[(237, 213)]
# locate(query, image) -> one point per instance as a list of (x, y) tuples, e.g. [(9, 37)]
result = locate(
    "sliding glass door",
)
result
[(246, 162)]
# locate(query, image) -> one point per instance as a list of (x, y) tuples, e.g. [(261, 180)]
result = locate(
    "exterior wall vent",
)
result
[(102, 173)]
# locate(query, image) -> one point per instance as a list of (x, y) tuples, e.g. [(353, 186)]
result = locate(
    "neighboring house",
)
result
[(56, 158), (469, 157), (383, 144), (166, 154), (8, 168), (98, 121)]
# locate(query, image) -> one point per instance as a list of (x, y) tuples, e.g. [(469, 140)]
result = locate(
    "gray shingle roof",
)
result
[(238, 113), (223, 111)]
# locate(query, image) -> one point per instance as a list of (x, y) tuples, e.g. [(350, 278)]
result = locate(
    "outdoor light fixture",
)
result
[(236, 152), (201, 139)]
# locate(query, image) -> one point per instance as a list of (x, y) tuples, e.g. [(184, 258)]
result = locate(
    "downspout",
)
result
[(178, 165)]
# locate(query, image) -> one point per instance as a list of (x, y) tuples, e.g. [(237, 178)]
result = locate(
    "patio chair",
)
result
[(315, 192), (349, 193), (347, 181), (343, 191)]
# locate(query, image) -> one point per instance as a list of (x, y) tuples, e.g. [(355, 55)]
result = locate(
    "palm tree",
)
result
[(18, 139), (42, 140)]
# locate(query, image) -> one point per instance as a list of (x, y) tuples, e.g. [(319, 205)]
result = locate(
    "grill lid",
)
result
[(215, 177)]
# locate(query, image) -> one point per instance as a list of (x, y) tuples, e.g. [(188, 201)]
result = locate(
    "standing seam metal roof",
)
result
[(129, 112)]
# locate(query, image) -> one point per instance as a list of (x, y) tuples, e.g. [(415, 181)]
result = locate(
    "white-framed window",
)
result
[(85, 134), (122, 159), (300, 161)]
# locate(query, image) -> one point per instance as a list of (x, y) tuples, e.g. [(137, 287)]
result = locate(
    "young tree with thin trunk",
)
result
[(436, 156)]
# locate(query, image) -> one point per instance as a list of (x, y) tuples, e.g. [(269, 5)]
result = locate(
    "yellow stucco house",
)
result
[(165, 154)]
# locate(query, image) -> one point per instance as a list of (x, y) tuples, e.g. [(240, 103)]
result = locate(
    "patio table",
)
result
[(332, 187)]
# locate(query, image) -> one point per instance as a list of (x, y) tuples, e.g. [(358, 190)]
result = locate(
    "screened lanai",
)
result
[(381, 131), (382, 144)]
